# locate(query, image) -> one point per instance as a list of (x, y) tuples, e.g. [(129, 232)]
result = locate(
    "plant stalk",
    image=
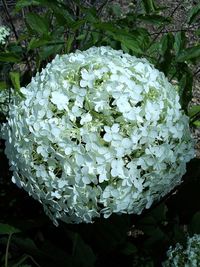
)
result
[(7, 249)]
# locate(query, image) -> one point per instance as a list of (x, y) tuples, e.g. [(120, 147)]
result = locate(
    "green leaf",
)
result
[(180, 42), (106, 26), (194, 114), (14, 48), (129, 249), (154, 19), (90, 15), (147, 224), (193, 14), (189, 54), (20, 262), (9, 57), (3, 85), (136, 40), (185, 86), (69, 43), (155, 236), (159, 212), (63, 16), (194, 226), (35, 43), (8, 229), (49, 50), (178, 233), (197, 123), (115, 9), (149, 6), (164, 44), (48, 254), (81, 251), (130, 43), (15, 79), (25, 3), (37, 23), (197, 31), (194, 110), (166, 50), (77, 24)]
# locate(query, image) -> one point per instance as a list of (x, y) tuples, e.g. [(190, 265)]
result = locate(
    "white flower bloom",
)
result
[(60, 100), (97, 132), (184, 257), (85, 118), (123, 104), (4, 33), (117, 168), (5, 96), (112, 133)]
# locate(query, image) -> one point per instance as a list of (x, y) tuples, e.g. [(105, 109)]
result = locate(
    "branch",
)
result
[(189, 29), (9, 18), (99, 10), (7, 249), (14, 31), (196, 72), (163, 28)]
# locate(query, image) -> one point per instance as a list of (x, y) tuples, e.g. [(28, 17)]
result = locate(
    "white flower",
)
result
[(97, 132), (123, 104), (87, 78), (112, 133), (5, 96), (4, 33), (85, 118), (117, 168), (184, 257), (60, 100)]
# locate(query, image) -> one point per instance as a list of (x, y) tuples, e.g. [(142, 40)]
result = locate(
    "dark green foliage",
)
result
[(27, 236), (194, 13), (61, 27), (120, 240)]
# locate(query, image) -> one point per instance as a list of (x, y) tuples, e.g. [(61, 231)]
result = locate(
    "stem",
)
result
[(99, 10), (196, 72), (9, 18), (194, 117), (14, 31), (77, 14), (87, 34), (24, 258), (189, 29), (72, 6), (173, 75), (163, 28), (7, 249), (34, 261), (74, 244)]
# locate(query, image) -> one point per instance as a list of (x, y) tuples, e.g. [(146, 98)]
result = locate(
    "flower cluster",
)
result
[(5, 96), (184, 257), (97, 132), (4, 33)]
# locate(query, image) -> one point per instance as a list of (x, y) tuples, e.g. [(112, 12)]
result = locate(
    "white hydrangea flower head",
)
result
[(5, 97), (4, 33), (97, 132), (188, 256)]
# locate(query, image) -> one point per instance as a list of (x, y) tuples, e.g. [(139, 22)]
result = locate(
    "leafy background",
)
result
[(147, 28)]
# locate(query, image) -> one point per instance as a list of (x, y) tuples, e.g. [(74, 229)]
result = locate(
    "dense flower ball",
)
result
[(97, 132), (188, 256), (5, 97), (4, 33)]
